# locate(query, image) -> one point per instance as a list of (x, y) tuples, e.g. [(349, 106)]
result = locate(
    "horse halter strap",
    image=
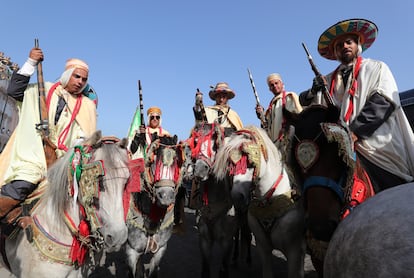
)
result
[(197, 152), (85, 189), (325, 182), (270, 192), (173, 163)]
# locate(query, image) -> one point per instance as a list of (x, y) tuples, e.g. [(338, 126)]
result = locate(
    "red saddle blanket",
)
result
[(361, 190)]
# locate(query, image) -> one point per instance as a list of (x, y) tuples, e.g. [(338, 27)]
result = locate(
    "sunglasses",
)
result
[(154, 117)]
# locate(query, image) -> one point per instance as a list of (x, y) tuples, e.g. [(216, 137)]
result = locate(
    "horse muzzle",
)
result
[(322, 230), (114, 237), (201, 170), (165, 192)]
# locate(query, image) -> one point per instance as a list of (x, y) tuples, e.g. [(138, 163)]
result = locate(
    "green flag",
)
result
[(135, 124), (138, 151)]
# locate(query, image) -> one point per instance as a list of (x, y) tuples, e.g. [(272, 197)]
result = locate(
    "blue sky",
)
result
[(175, 47)]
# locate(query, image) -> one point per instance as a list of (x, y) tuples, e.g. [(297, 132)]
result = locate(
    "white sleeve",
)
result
[(28, 67)]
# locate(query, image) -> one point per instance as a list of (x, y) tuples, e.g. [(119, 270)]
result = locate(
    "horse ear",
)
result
[(333, 113), (290, 117), (94, 139), (175, 140), (123, 143)]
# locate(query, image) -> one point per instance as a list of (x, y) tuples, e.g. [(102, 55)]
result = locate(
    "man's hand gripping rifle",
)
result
[(43, 126), (139, 138), (198, 109)]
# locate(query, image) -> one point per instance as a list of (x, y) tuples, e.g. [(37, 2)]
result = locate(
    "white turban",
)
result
[(70, 66)]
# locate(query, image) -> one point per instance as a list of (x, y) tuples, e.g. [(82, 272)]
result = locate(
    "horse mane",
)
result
[(235, 142), (56, 198)]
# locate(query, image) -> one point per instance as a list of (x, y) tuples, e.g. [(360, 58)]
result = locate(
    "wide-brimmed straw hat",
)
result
[(366, 31), (221, 87)]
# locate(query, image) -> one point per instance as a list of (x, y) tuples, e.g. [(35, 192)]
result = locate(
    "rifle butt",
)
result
[(50, 151)]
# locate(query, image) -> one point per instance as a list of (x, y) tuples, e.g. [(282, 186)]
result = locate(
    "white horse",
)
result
[(376, 239), (219, 223), (260, 182), (151, 214), (79, 214)]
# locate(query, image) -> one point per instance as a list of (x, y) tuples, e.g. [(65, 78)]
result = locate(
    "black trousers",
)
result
[(18, 189), (380, 178)]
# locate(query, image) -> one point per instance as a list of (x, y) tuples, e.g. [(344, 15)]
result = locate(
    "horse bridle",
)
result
[(207, 138), (90, 176), (151, 175), (307, 155)]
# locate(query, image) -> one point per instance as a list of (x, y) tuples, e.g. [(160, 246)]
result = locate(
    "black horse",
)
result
[(321, 161)]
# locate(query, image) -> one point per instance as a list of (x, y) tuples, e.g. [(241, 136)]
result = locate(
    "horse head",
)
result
[(320, 160), (113, 152), (188, 166), (254, 165), (163, 169), (206, 140), (82, 204)]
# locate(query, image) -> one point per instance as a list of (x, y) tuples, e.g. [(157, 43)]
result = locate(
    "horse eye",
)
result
[(96, 203), (101, 184)]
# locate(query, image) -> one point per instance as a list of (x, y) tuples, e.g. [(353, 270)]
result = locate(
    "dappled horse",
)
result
[(261, 185), (321, 161), (218, 222), (151, 213), (79, 213), (376, 239)]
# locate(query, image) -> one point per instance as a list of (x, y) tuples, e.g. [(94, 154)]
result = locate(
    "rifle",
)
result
[(141, 104), (43, 126), (199, 106), (261, 115), (143, 140), (318, 75), (139, 138)]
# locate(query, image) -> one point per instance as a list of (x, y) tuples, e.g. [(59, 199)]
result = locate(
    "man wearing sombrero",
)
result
[(367, 94), (221, 112)]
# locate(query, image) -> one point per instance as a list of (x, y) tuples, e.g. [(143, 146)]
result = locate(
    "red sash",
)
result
[(351, 90)]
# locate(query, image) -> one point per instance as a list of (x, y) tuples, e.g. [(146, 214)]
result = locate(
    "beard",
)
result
[(347, 58)]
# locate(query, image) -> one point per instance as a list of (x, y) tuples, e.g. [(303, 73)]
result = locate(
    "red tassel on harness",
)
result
[(79, 248), (361, 190)]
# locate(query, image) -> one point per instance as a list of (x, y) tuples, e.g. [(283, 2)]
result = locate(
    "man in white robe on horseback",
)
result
[(71, 117), (367, 95), (275, 123)]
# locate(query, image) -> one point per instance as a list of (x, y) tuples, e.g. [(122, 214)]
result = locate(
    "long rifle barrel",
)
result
[(43, 126), (314, 68), (44, 122), (262, 117), (141, 103), (325, 92)]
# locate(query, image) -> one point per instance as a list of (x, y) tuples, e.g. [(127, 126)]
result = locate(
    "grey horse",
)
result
[(376, 239)]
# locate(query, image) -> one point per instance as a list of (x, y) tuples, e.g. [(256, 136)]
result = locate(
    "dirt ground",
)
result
[(183, 260)]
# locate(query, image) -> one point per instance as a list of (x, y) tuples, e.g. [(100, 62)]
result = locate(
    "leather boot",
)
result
[(6, 205)]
